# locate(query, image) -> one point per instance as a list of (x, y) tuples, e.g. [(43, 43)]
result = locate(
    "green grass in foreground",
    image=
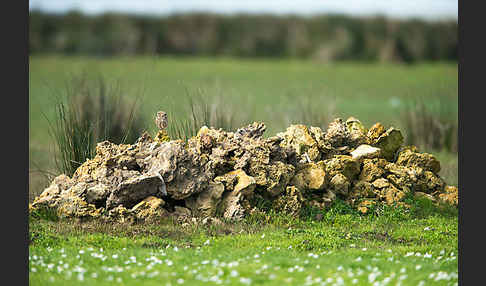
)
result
[(392, 246)]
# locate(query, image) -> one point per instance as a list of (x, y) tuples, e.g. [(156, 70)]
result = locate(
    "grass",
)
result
[(94, 111), (343, 248), (414, 247), (432, 123), (237, 92), (203, 110), (263, 90)]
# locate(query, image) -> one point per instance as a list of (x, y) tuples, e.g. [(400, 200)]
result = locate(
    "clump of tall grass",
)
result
[(313, 111), (201, 110), (431, 123), (92, 110)]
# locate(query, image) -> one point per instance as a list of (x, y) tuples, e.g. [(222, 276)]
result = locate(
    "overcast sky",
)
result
[(428, 9)]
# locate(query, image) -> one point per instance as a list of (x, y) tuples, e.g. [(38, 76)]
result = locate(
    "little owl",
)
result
[(161, 120)]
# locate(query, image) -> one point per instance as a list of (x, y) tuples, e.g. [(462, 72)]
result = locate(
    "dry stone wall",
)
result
[(223, 174)]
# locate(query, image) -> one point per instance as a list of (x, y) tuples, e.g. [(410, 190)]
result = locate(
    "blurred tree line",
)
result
[(327, 37)]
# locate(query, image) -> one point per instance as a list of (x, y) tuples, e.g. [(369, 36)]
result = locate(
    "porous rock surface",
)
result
[(231, 174)]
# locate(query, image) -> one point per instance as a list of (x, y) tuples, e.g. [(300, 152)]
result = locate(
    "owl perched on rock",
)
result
[(161, 120)]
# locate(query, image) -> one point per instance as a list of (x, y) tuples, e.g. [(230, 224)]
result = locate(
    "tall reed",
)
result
[(93, 110)]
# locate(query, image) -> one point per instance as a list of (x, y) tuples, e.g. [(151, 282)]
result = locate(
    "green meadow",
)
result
[(341, 247), (277, 92), (389, 246)]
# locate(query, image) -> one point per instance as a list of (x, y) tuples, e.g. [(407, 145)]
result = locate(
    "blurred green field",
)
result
[(272, 91)]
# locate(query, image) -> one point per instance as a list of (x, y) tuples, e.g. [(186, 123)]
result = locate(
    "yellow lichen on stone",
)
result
[(162, 136), (311, 176), (290, 202), (120, 214), (357, 132), (150, 208), (300, 139), (375, 132), (389, 142), (450, 195), (365, 205), (343, 164), (409, 157), (393, 195), (77, 207)]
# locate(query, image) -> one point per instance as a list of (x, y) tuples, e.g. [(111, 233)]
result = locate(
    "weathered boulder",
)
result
[(389, 142), (337, 135), (365, 151), (344, 165), (357, 132), (120, 214), (133, 190), (290, 202), (360, 190), (375, 132), (205, 204), (51, 194), (274, 177), (150, 208), (340, 184), (409, 157), (300, 139), (380, 183), (183, 172), (311, 176), (450, 195), (238, 188), (97, 194), (372, 169)]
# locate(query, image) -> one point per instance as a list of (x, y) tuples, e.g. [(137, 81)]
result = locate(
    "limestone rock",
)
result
[(381, 183), (274, 177), (223, 174), (76, 207), (357, 132), (184, 173), (150, 208), (450, 195), (206, 203), (375, 132), (290, 202), (343, 164), (132, 191), (340, 184), (97, 194), (162, 136), (120, 214), (429, 183), (337, 134), (234, 204), (362, 189), (299, 138), (389, 142), (311, 176), (244, 184), (372, 169), (51, 194), (410, 158), (365, 151), (393, 195)]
